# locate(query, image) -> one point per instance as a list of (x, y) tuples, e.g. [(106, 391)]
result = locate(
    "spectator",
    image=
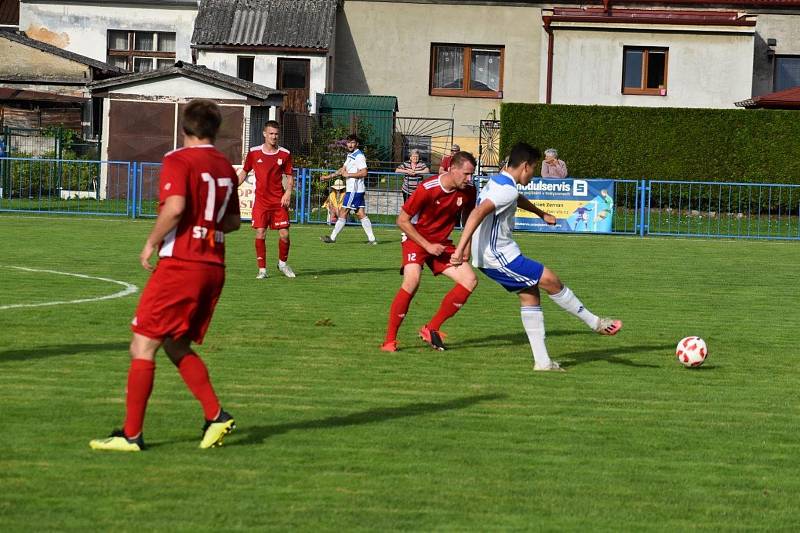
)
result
[(445, 165), (413, 172), (334, 201), (552, 166)]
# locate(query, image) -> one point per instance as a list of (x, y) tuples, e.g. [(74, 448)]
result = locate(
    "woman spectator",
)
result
[(552, 166), (413, 172)]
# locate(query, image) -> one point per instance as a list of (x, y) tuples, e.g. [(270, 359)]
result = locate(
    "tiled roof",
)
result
[(268, 23), (197, 72), (23, 39), (786, 99)]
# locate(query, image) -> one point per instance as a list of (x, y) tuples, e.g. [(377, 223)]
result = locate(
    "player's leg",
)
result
[(261, 246), (280, 222), (340, 222), (140, 385), (366, 224), (399, 308), (566, 299), (465, 282), (530, 311)]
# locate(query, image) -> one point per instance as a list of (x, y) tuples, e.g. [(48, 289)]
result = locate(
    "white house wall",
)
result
[(178, 88), (703, 70), (83, 28), (265, 68), (384, 48)]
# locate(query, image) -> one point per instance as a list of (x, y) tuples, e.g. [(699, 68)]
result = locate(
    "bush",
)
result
[(719, 145)]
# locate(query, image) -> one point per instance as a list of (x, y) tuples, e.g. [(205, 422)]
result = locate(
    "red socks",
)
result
[(283, 249), (397, 312), (195, 375), (452, 302), (261, 253), (140, 385)]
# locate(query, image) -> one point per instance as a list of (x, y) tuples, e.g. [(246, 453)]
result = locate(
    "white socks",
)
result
[(533, 322), (567, 301), (338, 227), (367, 225)]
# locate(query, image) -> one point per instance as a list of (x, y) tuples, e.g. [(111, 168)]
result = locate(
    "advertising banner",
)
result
[(584, 206)]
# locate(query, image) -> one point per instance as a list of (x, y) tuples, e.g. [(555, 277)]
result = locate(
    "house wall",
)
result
[(82, 28), (23, 62), (785, 29), (384, 48), (265, 68), (703, 70)]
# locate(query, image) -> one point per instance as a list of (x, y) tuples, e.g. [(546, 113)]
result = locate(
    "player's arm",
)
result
[(230, 222), (527, 205), (168, 217), (339, 172), (404, 223), (360, 173), (244, 170), (473, 221), (287, 194)]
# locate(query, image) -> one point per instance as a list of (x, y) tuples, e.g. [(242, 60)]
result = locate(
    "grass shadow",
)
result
[(508, 339), (346, 270), (258, 434), (611, 355), (40, 352)]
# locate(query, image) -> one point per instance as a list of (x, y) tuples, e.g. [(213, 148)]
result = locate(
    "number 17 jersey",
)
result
[(206, 179)]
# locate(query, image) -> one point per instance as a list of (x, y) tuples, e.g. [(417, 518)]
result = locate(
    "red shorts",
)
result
[(178, 300), (273, 218), (414, 253)]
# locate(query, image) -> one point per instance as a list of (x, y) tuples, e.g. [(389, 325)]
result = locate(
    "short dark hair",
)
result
[(354, 137), (201, 119), (460, 157), (523, 153), (272, 124)]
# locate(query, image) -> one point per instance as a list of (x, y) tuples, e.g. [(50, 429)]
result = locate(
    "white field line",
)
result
[(129, 288)]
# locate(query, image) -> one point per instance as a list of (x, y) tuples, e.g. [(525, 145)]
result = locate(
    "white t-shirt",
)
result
[(492, 243), (355, 161)]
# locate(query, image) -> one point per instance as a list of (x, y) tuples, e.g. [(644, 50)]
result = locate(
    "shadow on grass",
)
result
[(55, 350), (507, 339), (611, 355), (258, 434), (346, 270)]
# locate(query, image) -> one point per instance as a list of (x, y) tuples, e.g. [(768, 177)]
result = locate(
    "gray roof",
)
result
[(196, 72), (268, 23), (23, 39)]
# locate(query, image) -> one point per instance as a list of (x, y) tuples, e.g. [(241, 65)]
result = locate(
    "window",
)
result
[(472, 71), (644, 70), (141, 51), (244, 68), (787, 72)]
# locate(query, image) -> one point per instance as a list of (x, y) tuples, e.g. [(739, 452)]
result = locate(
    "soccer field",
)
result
[(335, 435)]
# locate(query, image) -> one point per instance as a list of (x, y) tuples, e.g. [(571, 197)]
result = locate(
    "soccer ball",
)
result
[(691, 352)]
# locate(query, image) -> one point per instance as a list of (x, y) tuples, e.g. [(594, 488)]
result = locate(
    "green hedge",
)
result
[(721, 145)]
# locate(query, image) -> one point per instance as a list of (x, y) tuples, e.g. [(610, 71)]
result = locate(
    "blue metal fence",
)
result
[(641, 207), (61, 186)]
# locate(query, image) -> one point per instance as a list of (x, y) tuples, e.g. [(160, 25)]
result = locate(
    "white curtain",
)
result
[(166, 42), (449, 68), (117, 40), (485, 70), (143, 40)]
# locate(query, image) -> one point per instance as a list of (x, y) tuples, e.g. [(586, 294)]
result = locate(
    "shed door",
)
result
[(294, 77), (140, 131)]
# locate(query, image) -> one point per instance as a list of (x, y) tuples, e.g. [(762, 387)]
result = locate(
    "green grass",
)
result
[(335, 435)]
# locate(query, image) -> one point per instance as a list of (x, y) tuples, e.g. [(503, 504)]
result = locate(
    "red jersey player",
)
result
[(271, 163), (437, 204), (198, 204)]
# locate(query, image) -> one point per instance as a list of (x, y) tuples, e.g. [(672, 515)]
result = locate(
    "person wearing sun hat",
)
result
[(334, 201)]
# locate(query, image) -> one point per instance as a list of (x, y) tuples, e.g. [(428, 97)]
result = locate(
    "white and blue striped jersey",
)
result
[(356, 160), (492, 244)]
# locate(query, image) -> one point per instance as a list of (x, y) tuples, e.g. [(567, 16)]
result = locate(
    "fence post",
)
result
[(133, 188), (644, 208), (303, 195)]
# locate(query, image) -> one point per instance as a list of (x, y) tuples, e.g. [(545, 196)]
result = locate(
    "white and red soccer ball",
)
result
[(691, 352)]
